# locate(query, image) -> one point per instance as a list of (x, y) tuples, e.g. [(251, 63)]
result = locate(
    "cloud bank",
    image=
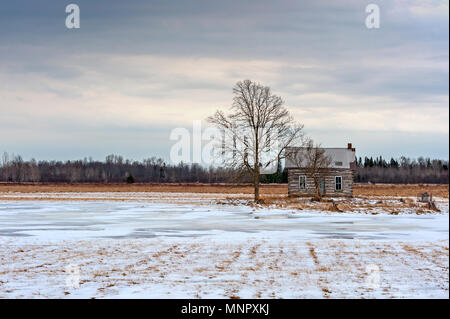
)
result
[(134, 71)]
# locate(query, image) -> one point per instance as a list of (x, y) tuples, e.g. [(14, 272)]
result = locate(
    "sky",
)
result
[(135, 70)]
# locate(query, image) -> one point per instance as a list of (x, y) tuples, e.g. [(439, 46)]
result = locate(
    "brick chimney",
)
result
[(353, 165)]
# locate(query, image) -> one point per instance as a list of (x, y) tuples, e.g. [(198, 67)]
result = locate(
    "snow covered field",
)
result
[(177, 246)]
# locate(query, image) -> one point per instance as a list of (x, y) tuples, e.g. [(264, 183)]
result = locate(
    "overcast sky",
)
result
[(137, 69)]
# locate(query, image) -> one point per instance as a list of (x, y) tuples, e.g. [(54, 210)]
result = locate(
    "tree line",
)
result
[(401, 171), (116, 169)]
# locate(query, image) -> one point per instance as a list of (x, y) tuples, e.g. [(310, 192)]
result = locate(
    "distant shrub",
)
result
[(130, 179)]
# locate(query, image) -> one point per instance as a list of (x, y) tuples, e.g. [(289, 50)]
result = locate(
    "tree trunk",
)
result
[(256, 166), (256, 185), (317, 185)]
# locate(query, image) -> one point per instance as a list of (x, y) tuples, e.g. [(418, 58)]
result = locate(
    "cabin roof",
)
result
[(340, 157)]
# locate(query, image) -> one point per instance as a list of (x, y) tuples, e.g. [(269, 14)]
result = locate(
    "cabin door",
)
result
[(322, 186)]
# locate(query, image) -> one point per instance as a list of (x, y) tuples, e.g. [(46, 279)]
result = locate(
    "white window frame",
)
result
[(336, 183), (299, 183)]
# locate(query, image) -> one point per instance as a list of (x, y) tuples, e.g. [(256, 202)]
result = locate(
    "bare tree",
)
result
[(258, 130), (312, 158), (5, 166)]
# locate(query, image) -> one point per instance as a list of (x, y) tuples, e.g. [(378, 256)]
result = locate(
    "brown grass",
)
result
[(138, 187), (440, 190), (312, 252), (267, 189)]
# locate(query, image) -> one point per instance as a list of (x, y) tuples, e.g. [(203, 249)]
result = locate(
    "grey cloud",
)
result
[(320, 46)]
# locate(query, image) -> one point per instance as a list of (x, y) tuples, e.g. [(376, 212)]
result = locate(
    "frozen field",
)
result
[(69, 220), (183, 247)]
